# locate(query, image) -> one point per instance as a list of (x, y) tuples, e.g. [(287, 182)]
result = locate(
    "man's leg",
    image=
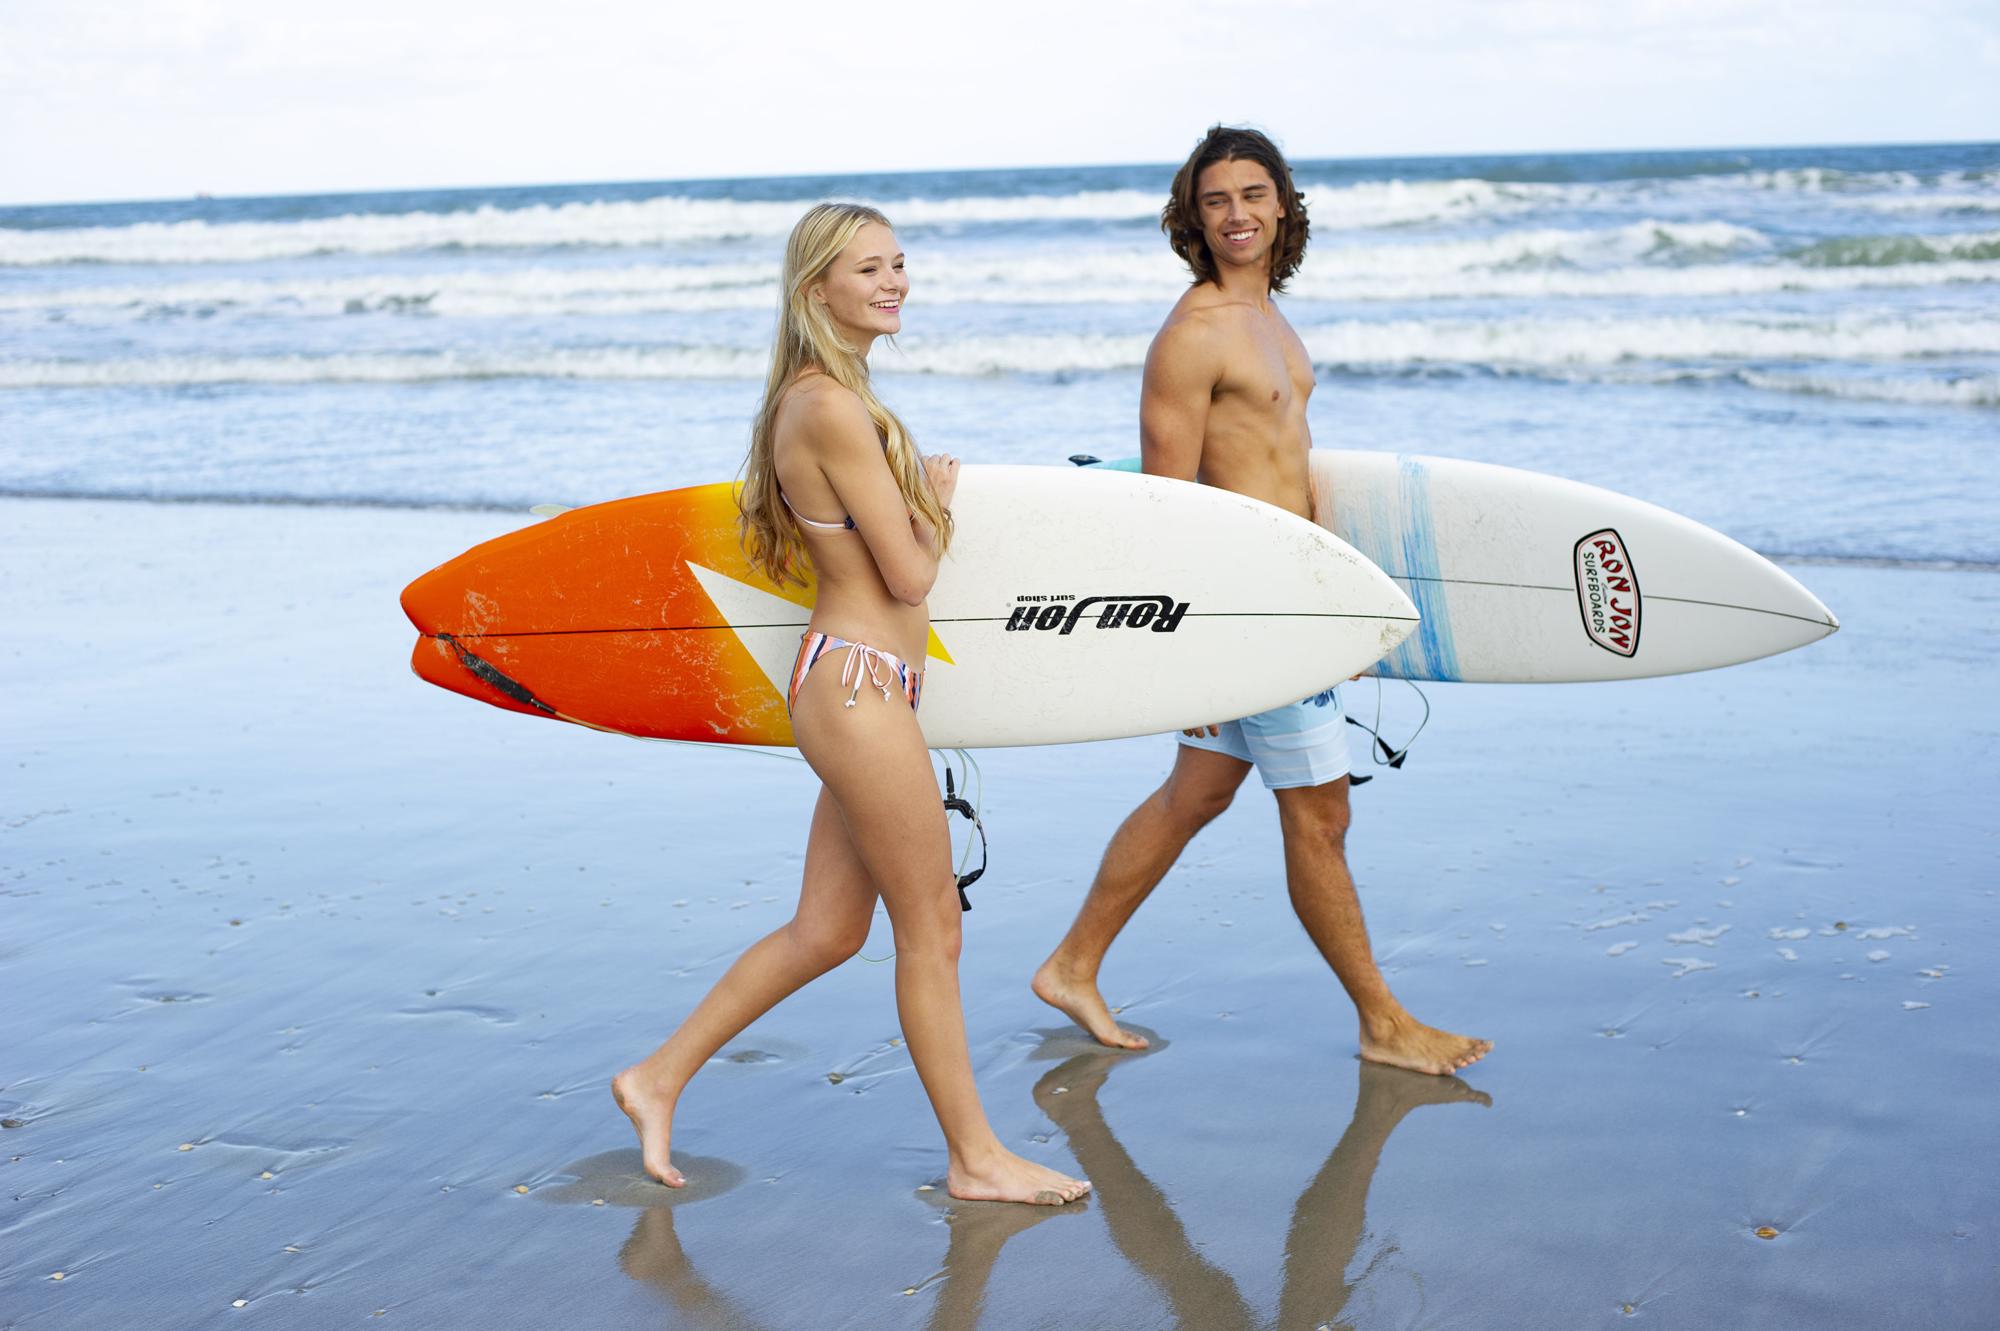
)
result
[(1144, 847), (1314, 820)]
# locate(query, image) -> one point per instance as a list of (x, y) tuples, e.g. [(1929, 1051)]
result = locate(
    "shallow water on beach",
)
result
[(324, 974)]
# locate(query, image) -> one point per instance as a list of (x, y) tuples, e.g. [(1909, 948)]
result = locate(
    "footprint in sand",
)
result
[(619, 1178)]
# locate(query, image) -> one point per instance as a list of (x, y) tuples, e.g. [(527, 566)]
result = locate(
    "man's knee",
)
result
[(1194, 805), (1320, 812)]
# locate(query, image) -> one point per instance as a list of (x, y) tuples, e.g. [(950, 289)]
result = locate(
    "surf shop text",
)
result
[(1161, 614)]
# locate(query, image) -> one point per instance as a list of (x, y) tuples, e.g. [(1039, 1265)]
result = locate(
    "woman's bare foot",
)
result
[(651, 1109), (1405, 1042), (1079, 1000), (1006, 1177)]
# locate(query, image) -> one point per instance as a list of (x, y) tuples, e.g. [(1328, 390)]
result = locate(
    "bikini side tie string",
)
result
[(859, 659)]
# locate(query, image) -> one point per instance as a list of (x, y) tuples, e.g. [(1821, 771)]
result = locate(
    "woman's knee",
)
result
[(932, 931), (826, 943)]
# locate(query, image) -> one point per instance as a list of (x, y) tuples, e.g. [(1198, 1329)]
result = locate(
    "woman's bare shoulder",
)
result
[(822, 413)]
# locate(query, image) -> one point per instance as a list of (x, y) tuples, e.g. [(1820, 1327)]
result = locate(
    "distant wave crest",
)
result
[(1651, 259), (1678, 346), (672, 220)]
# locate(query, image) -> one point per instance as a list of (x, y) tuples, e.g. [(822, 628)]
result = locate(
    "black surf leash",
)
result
[(1384, 755), (955, 803)]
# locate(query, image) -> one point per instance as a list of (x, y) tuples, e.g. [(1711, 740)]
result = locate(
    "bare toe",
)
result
[(1009, 1178), (1408, 1043)]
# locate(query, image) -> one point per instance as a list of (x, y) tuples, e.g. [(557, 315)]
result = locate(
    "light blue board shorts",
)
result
[(1300, 744)]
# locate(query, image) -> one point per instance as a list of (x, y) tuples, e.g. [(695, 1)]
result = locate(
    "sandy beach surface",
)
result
[(315, 977)]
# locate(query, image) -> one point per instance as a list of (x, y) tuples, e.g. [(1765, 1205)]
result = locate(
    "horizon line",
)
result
[(1301, 159)]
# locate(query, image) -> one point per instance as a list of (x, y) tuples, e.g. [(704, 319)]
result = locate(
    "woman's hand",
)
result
[(941, 470)]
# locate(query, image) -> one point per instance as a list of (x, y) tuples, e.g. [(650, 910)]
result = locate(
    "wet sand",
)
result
[(315, 977)]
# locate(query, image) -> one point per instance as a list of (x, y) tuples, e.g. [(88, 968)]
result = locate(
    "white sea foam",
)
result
[(666, 220), (1563, 342), (388, 367), (1967, 390), (1651, 259), (677, 219), (1949, 204), (1638, 350)]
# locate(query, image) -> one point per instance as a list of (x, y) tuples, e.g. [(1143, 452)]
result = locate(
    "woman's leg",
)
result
[(836, 903), (872, 758)]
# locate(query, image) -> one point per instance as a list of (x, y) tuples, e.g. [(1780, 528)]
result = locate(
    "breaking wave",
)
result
[(1355, 345), (1642, 259), (672, 220)]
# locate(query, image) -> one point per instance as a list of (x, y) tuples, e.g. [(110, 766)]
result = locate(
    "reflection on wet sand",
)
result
[(1142, 1224), (1327, 1220), (1326, 1228), (978, 1231), (654, 1255)]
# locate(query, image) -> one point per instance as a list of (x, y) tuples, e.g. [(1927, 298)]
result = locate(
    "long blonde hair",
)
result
[(808, 339)]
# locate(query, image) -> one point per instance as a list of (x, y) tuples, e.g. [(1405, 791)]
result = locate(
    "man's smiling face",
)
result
[(1239, 212)]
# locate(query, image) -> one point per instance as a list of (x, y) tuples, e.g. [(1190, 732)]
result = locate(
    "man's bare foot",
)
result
[(1079, 1000), (1405, 1042), (651, 1109), (1006, 1177)]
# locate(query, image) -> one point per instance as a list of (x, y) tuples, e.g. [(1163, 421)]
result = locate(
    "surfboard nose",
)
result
[(1772, 612), (1788, 596)]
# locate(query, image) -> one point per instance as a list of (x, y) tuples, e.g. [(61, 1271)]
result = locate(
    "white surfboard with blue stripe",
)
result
[(1524, 578)]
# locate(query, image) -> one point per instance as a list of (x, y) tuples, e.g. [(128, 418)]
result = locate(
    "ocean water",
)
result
[(1800, 347)]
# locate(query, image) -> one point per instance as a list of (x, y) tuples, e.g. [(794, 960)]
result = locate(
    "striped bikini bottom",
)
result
[(878, 668)]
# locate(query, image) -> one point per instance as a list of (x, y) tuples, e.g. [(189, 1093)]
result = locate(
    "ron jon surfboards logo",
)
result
[(1607, 591), (1061, 614)]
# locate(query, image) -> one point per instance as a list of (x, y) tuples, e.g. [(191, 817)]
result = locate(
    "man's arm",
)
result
[(1182, 370)]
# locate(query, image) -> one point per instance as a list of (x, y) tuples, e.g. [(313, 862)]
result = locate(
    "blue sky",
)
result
[(172, 97)]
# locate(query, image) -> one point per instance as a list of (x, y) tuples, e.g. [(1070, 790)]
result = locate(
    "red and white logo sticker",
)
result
[(1607, 591)]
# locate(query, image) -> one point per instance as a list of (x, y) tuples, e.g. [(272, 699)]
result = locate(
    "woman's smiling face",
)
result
[(864, 287)]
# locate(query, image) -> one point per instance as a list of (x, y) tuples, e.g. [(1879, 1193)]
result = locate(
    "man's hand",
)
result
[(1196, 732)]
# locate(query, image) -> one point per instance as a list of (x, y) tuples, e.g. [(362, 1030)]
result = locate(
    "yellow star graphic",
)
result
[(768, 625)]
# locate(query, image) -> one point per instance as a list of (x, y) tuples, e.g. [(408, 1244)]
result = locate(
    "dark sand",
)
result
[(311, 970)]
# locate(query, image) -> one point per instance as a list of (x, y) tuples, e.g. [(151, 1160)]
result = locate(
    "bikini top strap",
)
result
[(845, 524)]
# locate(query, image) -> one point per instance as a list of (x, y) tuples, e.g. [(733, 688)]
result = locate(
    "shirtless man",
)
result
[(1224, 403)]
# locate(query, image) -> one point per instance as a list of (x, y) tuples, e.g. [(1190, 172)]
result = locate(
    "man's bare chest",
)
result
[(1267, 372)]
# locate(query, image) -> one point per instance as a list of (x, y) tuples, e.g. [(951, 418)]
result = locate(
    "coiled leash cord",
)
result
[(1380, 751)]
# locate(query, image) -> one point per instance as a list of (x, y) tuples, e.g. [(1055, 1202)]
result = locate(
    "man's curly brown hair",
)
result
[(1181, 218)]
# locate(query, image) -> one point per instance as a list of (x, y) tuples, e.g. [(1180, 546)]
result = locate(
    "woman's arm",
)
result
[(849, 454)]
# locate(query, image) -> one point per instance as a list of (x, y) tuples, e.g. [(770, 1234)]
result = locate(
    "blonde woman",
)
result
[(834, 480)]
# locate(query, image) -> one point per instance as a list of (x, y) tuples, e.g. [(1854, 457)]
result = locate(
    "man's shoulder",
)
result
[(1205, 312), (1205, 325)]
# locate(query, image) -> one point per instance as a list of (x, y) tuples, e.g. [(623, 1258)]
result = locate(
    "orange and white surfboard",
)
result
[(1075, 605)]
